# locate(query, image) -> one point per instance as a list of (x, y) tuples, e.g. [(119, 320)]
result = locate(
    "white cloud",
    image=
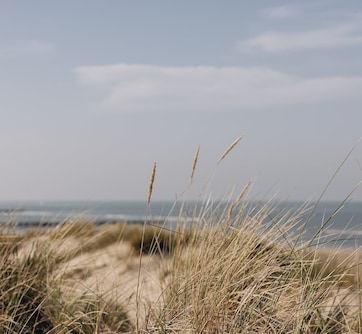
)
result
[(339, 36), (26, 48), (157, 88)]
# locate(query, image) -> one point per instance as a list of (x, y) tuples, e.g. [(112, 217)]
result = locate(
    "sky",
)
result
[(92, 93)]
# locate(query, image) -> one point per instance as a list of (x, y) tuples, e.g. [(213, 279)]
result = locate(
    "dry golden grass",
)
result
[(194, 163), (227, 151), (232, 274), (32, 296), (150, 186), (241, 278)]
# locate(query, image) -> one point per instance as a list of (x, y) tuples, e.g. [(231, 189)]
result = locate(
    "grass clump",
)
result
[(148, 239), (246, 276), (154, 239), (24, 293), (32, 298), (74, 228)]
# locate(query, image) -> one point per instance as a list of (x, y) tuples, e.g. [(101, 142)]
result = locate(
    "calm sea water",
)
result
[(343, 228)]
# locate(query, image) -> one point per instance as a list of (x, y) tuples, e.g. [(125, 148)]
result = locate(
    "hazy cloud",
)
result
[(157, 88), (297, 9), (333, 37), (280, 12)]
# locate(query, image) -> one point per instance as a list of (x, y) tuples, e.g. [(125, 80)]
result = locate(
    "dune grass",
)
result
[(242, 276), (235, 271), (32, 298), (35, 296), (148, 239)]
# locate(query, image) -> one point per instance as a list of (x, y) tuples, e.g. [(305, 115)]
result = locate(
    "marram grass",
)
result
[(233, 273), (33, 299), (230, 273), (245, 277)]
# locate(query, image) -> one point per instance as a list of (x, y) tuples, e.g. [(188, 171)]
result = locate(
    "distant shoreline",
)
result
[(53, 224)]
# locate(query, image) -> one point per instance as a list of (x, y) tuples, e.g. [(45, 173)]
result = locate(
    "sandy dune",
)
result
[(117, 272)]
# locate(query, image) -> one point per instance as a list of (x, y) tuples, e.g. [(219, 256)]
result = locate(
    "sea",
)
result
[(330, 224)]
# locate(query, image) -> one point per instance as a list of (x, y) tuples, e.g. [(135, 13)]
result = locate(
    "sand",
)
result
[(116, 272)]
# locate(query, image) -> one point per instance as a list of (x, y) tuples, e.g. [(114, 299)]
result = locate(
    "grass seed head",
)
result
[(196, 156), (152, 180), (227, 151)]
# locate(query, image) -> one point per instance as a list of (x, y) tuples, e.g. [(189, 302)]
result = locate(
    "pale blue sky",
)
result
[(93, 92)]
